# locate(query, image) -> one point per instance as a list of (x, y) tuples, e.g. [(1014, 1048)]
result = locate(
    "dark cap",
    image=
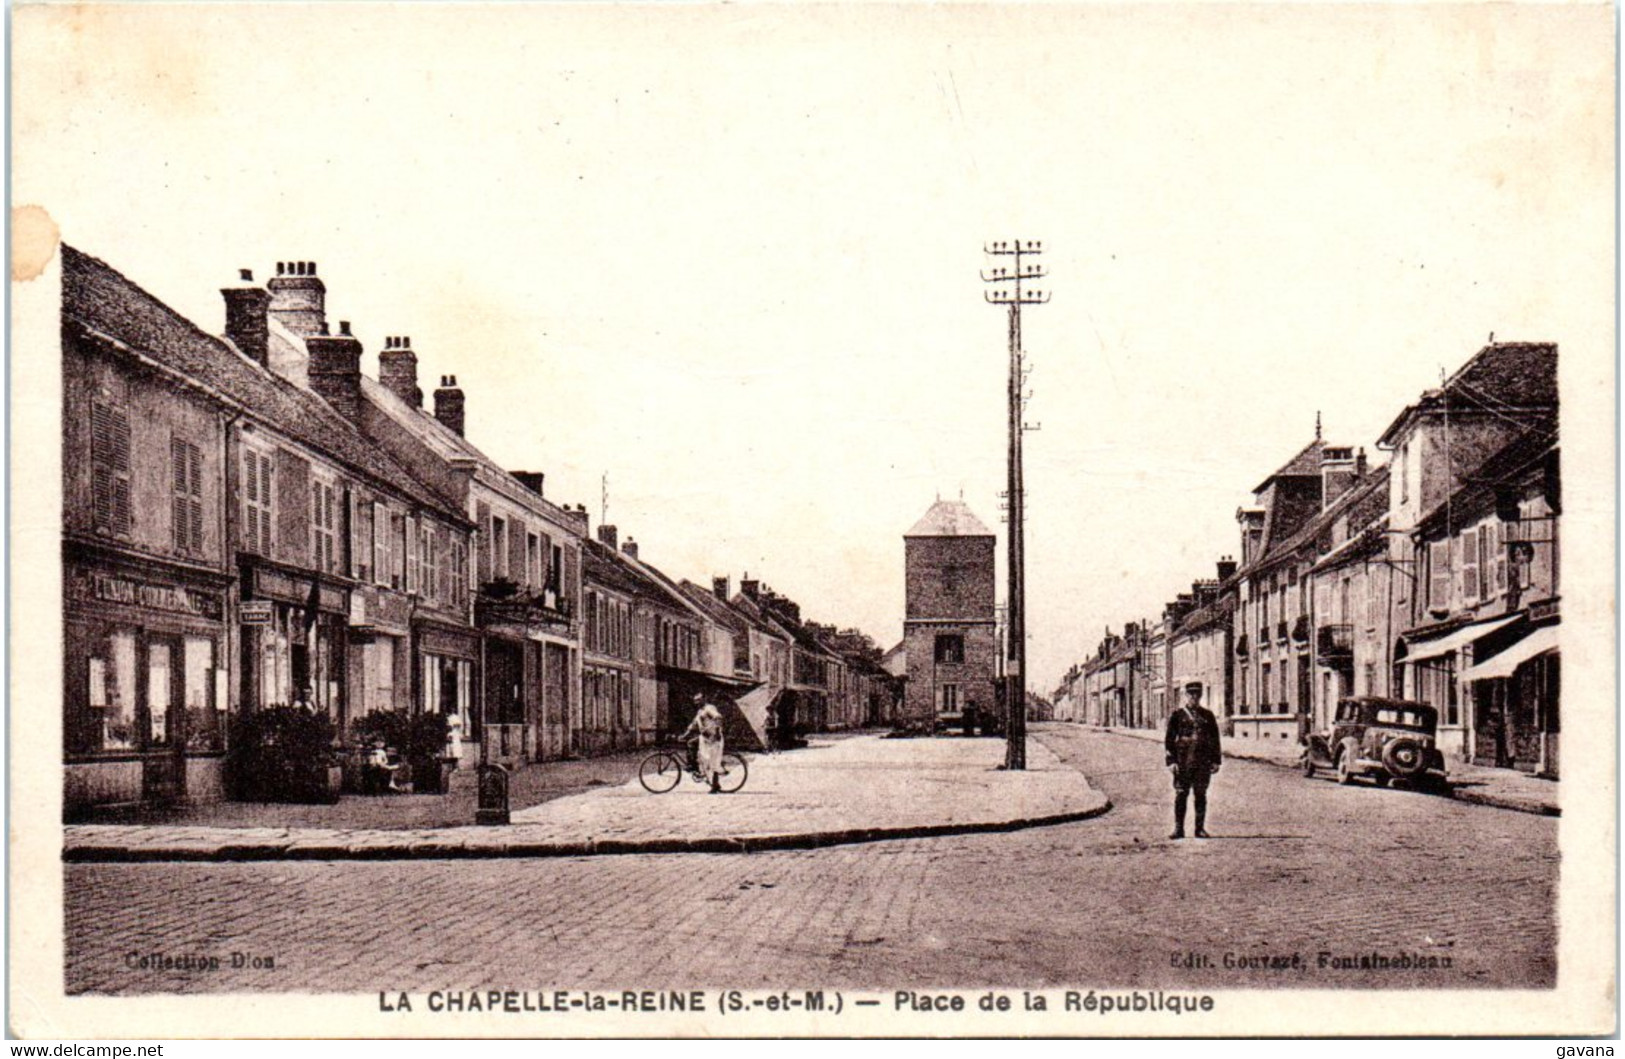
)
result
[(1195, 685)]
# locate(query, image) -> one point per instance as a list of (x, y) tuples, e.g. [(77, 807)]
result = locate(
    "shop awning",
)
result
[(1542, 641), (1451, 641)]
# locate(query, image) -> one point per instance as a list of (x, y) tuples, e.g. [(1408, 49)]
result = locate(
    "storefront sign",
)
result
[(280, 586), (106, 588), (254, 612)]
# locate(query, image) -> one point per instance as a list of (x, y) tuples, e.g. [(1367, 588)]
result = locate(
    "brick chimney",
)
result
[(335, 369), (1338, 473), (1227, 568), (398, 369), (246, 321), (448, 404), (751, 587), (531, 480), (607, 536), (719, 588), (630, 548), (299, 298)]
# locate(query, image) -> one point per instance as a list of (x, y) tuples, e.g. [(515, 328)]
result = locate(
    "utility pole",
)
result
[(1008, 291)]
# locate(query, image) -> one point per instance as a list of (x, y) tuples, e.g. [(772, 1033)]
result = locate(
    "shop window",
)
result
[(112, 693), (258, 510), (186, 501), (110, 468), (159, 689), (276, 661), (198, 676), (379, 664)]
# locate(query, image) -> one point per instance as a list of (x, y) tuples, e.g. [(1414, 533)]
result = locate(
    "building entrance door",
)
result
[(163, 766), (505, 728), (555, 699)]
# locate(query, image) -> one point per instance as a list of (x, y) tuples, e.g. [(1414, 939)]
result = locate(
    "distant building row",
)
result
[(249, 521), (1433, 578)]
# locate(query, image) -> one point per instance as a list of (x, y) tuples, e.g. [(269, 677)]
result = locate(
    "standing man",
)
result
[(1192, 744)]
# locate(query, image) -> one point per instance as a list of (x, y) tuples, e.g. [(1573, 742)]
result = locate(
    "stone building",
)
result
[(214, 559), (948, 622), (1457, 608)]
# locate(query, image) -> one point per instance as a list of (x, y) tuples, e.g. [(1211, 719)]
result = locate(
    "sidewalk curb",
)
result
[(1493, 801), (523, 849)]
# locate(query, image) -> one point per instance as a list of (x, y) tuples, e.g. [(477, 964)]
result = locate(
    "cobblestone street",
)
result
[(1296, 866)]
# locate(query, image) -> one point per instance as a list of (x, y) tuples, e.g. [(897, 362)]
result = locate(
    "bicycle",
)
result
[(663, 770)]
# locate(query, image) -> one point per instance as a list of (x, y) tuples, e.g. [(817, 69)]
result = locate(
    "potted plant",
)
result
[(426, 752), (418, 739), (284, 754)]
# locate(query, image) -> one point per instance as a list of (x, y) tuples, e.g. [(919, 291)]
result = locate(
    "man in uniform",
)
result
[(1192, 744)]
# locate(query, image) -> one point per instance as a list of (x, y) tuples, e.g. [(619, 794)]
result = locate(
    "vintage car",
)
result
[(1386, 739)]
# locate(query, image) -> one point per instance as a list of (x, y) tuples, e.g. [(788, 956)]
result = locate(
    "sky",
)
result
[(728, 256)]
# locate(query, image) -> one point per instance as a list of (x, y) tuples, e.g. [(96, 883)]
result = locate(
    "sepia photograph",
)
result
[(832, 520)]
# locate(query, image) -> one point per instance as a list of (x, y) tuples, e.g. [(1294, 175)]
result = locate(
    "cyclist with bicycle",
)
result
[(706, 730)]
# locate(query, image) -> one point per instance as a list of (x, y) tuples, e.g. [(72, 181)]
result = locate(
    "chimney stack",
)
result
[(719, 588), (607, 536), (531, 480), (335, 370), (1337, 474), (1227, 568), (448, 404), (630, 548), (750, 587), (1359, 465), (299, 298), (247, 323), (398, 370)]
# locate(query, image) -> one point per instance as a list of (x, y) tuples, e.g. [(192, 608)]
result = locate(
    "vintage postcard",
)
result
[(844, 520)]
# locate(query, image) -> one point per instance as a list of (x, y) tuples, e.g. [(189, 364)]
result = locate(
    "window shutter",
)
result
[(482, 549), (380, 543), (516, 551), (411, 554), (1499, 552), (291, 506), (110, 467), (1439, 575), (179, 516)]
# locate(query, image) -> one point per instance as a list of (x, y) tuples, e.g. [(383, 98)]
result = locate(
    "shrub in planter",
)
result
[(419, 739), (283, 754)]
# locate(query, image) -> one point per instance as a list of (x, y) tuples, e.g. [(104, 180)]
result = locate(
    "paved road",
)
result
[(1296, 867)]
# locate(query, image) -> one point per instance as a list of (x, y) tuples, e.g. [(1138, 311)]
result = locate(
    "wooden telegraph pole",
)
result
[(1009, 291)]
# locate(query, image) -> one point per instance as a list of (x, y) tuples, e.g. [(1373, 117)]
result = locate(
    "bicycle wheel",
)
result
[(660, 772), (732, 775)]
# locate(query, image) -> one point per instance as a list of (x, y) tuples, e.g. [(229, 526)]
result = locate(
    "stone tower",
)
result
[(948, 619)]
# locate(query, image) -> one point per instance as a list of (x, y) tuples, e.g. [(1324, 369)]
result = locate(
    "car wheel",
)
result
[(1405, 758), (1345, 766)]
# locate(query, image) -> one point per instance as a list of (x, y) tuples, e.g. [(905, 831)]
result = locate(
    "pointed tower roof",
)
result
[(949, 518)]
